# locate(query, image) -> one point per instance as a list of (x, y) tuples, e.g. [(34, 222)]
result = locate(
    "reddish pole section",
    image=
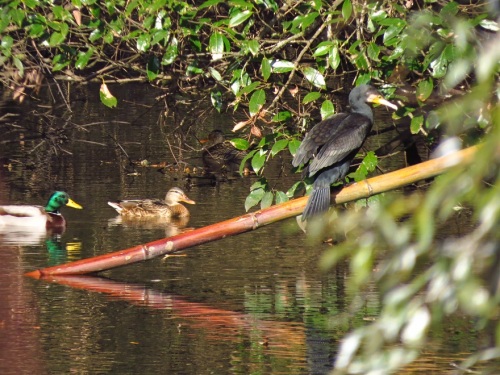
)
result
[(260, 218)]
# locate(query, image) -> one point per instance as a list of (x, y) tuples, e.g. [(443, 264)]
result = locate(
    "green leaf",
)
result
[(215, 74), (346, 10), (170, 55), (83, 58), (293, 145), (253, 47), (7, 42), (258, 160), (245, 159), (216, 99), (143, 42), (334, 58), (315, 77), (282, 116), (281, 66), (216, 45), (311, 97), (267, 200), (265, 66), (209, 3), (323, 48), (416, 124), (278, 146), (254, 198), (390, 34), (153, 68), (106, 97), (257, 100), (281, 197), (240, 143), (424, 89), (59, 62), (56, 39), (239, 18), (327, 109), (370, 161), (373, 51)]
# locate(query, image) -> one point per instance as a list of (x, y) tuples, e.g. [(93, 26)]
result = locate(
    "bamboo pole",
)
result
[(255, 220)]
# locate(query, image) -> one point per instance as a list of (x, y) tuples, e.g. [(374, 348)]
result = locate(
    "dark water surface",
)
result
[(255, 303)]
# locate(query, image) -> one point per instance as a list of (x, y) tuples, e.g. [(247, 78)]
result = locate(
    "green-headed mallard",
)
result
[(220, 155), (38, 216), (169, 208)]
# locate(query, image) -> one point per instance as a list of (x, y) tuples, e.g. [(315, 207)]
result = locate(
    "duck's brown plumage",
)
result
[(144, 208), (220, 155)]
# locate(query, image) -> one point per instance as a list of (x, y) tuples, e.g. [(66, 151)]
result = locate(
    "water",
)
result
[(253, 303)]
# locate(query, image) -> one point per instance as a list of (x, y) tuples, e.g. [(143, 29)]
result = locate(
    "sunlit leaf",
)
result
[(327, 109), (83, 58), (56, 39), (258, 160), (106, 97), (254, 198), (424, 89), (239, 18), (346, 10), (240, 143), (416, 124), (170, 55), (216, 45), (281, 197), (311, 97), (323, 48), (282, 116), (209, 3), (267, 200), (278, 146), (266, 69), (257, 100), (215, 74), (143, 42), (281, 66), (216, 99), (293, 145), (334, 58), (315, 77)]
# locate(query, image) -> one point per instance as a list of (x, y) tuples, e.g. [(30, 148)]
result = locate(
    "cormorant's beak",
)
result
[(185, 199), (378, 99), (72, 203)]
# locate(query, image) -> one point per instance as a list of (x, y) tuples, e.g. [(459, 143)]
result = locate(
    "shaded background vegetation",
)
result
[(279, 65)]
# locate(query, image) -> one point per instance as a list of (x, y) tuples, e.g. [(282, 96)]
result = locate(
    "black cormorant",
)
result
[(331, 145)]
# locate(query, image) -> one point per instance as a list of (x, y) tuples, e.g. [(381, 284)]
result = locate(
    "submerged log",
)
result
[(254, 220)]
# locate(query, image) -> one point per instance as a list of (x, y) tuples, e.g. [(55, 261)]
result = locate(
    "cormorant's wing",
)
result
[(349, 137), (317, 137)]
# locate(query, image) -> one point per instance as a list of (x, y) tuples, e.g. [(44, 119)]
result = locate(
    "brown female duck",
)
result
[(220, 155), (150, 208)]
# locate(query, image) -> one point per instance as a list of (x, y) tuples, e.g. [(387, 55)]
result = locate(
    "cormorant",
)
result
[(331, 145)]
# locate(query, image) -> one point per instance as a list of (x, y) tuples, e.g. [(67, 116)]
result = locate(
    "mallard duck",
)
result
[(220, 155), (169, 208), (38, 216)]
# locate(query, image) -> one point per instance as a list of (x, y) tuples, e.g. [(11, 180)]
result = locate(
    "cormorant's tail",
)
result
[(318, 202)]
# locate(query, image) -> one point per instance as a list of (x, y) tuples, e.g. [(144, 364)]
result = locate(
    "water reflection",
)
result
[(255, 303)]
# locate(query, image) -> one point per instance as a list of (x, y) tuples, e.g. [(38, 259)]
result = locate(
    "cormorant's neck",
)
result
[(362, 108)]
